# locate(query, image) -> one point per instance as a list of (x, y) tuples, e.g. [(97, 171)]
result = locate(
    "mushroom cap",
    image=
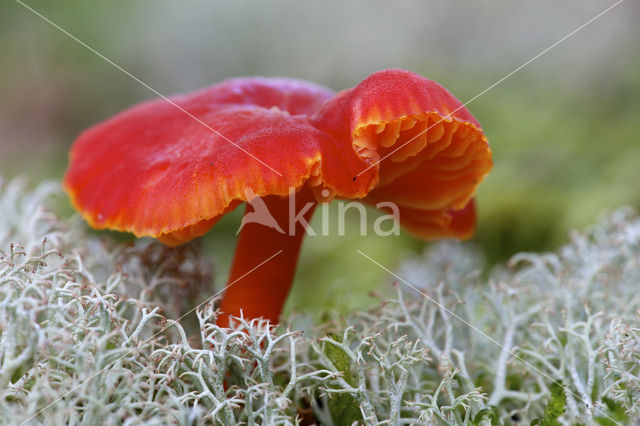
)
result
[(171, 169), (428, 152)]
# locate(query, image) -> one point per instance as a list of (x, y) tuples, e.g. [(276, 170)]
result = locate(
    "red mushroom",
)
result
[(171, 170)]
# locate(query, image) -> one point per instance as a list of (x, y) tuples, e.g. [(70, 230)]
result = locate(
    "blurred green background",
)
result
[(564, 130)]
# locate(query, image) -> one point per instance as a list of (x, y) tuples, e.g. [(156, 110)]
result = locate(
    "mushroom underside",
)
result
[(430, 167)]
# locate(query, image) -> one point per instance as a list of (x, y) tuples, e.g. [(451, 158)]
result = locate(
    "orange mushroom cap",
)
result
[(159, 170), (427, 151)]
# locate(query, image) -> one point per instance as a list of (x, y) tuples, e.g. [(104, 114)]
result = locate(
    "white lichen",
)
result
[(88, 335)]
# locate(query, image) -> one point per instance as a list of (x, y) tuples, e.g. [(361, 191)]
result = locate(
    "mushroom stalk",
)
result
[(261, 291)]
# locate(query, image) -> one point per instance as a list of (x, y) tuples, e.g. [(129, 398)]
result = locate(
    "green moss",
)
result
[(343, 407)]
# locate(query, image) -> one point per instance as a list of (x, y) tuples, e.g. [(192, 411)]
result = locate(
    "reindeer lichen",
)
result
[(91, 333)]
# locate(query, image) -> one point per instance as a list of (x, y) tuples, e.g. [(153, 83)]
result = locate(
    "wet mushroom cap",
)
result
[(171, 170)]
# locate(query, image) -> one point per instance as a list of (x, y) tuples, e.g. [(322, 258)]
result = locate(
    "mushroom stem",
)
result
[(262, 291)]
